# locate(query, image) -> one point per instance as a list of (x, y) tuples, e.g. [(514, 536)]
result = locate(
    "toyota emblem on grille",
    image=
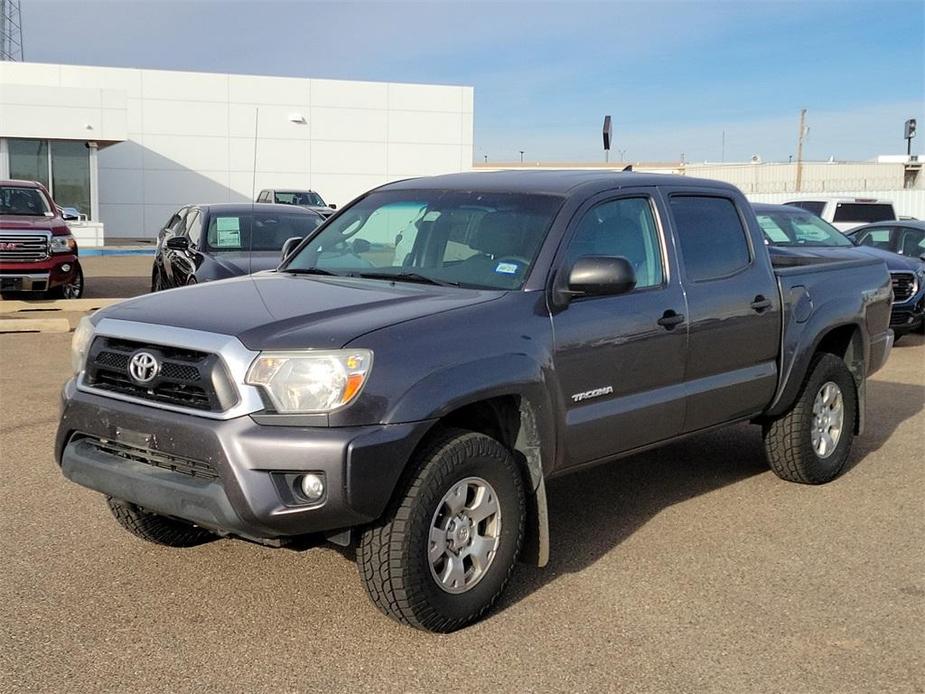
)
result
[(143, 367)]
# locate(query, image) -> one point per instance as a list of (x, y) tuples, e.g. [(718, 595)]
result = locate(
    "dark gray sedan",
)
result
[(201, 243)]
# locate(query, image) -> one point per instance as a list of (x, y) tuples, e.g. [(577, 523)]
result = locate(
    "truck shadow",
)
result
[(592, 512)]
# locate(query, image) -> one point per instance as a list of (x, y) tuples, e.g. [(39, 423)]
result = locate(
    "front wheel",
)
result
[(445, 549), (810, 443), (73, 288)]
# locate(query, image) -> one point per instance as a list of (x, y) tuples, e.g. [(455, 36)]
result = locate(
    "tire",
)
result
[(71, 290), (394, 554), (793, 453), (157, 529)]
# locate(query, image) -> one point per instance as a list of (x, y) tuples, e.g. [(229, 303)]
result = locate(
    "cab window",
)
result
[(625, 228)]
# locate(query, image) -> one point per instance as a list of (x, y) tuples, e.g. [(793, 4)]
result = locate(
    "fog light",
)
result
[(65, 268), (312, 487)]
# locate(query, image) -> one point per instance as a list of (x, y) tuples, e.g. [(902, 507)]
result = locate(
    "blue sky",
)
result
[(674, 75)]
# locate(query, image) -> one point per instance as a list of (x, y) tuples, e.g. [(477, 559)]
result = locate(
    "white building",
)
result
[(127, 146)]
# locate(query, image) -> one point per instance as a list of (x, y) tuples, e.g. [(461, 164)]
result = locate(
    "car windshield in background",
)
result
[(796, 229), (299, 198), (234, 233), (470, 239), (863, 212), (23, 201)]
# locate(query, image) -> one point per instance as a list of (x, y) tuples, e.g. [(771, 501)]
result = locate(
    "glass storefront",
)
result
[(62, 166), (29, 160)]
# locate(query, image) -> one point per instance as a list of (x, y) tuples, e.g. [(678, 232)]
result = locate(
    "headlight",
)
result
[(80, 344), (62, 244), (311, 381)]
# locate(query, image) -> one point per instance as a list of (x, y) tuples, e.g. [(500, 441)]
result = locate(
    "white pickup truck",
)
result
[(847, 213)]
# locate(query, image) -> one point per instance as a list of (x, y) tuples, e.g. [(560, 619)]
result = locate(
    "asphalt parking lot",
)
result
[(689, 568)]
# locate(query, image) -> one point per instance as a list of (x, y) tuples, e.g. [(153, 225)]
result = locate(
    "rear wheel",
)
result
[(810, 443), (445, 549), (156, 528)]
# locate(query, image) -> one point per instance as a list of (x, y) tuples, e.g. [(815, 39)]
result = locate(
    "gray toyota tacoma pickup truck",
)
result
[(418, 368)]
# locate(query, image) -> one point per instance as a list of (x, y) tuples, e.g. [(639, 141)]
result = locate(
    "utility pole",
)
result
[(800, 139), (723, 158)]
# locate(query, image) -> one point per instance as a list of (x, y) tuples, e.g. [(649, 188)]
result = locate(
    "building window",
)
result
[(29, 160), (70, 175), (62, 166)]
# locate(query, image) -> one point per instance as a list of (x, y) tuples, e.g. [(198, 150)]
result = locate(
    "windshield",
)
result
[(29, 202), (298, 197), (233, 233), (799, 229), (479, 240)]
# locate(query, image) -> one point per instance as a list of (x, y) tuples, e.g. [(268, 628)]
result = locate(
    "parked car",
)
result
[(787, 228), (418, 402), (905, 237), (200, 243), (303, 198), (38, 253), (847, 213)]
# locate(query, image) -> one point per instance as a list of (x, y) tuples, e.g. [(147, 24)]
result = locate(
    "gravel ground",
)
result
[(691, 568)]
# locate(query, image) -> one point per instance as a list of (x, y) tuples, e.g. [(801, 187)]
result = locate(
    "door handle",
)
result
[(670, 319), (761, 304)]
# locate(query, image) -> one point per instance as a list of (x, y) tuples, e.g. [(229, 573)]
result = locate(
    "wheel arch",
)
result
[(514, 420)]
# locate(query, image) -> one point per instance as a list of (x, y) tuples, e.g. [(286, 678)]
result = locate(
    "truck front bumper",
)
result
[(232, 476), (39, 276)]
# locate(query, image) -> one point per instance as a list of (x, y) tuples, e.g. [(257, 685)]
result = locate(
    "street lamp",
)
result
[(521, 156)]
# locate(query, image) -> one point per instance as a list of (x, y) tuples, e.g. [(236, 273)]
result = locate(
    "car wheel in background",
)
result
[(73, 288), (157, 529), (444, 550)]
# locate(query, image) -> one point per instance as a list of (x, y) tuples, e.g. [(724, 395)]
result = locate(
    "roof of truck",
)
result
[(549, 181)]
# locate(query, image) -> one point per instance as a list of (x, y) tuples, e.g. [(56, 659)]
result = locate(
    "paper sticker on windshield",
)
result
[(507, 268), (227, 232)]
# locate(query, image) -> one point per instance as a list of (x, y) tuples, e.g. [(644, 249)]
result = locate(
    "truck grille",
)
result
[(23, 247), (903, 286), (166, 461), (184, 377)]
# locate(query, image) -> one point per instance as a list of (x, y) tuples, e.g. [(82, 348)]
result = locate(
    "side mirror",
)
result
[(599, 276), (922, 257), (289, 246), (332, 206), (360, 246), (70, 214), (177, 243)]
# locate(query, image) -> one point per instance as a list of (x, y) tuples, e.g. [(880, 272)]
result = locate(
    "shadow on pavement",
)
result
[(593, 511)]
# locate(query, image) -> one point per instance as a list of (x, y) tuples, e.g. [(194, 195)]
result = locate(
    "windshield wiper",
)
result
[(310, 271), (405, 277)]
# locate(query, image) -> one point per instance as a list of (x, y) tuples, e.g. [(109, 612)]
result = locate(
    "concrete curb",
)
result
[(56, 305), (35, 325)]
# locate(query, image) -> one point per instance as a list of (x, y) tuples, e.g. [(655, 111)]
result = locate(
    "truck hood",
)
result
[(38, 223), (279, 311)]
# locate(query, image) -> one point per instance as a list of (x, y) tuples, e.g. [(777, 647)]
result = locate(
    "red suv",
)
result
[(37, 251)]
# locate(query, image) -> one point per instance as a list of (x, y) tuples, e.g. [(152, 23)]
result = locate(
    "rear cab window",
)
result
[(863, 212), (714, 244), (814, 206)]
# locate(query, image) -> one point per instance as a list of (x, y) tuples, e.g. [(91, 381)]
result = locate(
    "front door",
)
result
[(620, 359)]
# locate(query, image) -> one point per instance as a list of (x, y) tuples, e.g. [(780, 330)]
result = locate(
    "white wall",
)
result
[(190, 136)]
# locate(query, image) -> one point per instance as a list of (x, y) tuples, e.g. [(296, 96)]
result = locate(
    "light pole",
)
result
[(521, 156)]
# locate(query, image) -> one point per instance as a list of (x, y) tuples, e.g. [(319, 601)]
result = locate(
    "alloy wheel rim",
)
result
[(828, 419), (464, 535), (72, 289)]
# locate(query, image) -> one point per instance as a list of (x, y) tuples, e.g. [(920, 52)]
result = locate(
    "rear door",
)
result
[(620, 359), (733, 309)]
